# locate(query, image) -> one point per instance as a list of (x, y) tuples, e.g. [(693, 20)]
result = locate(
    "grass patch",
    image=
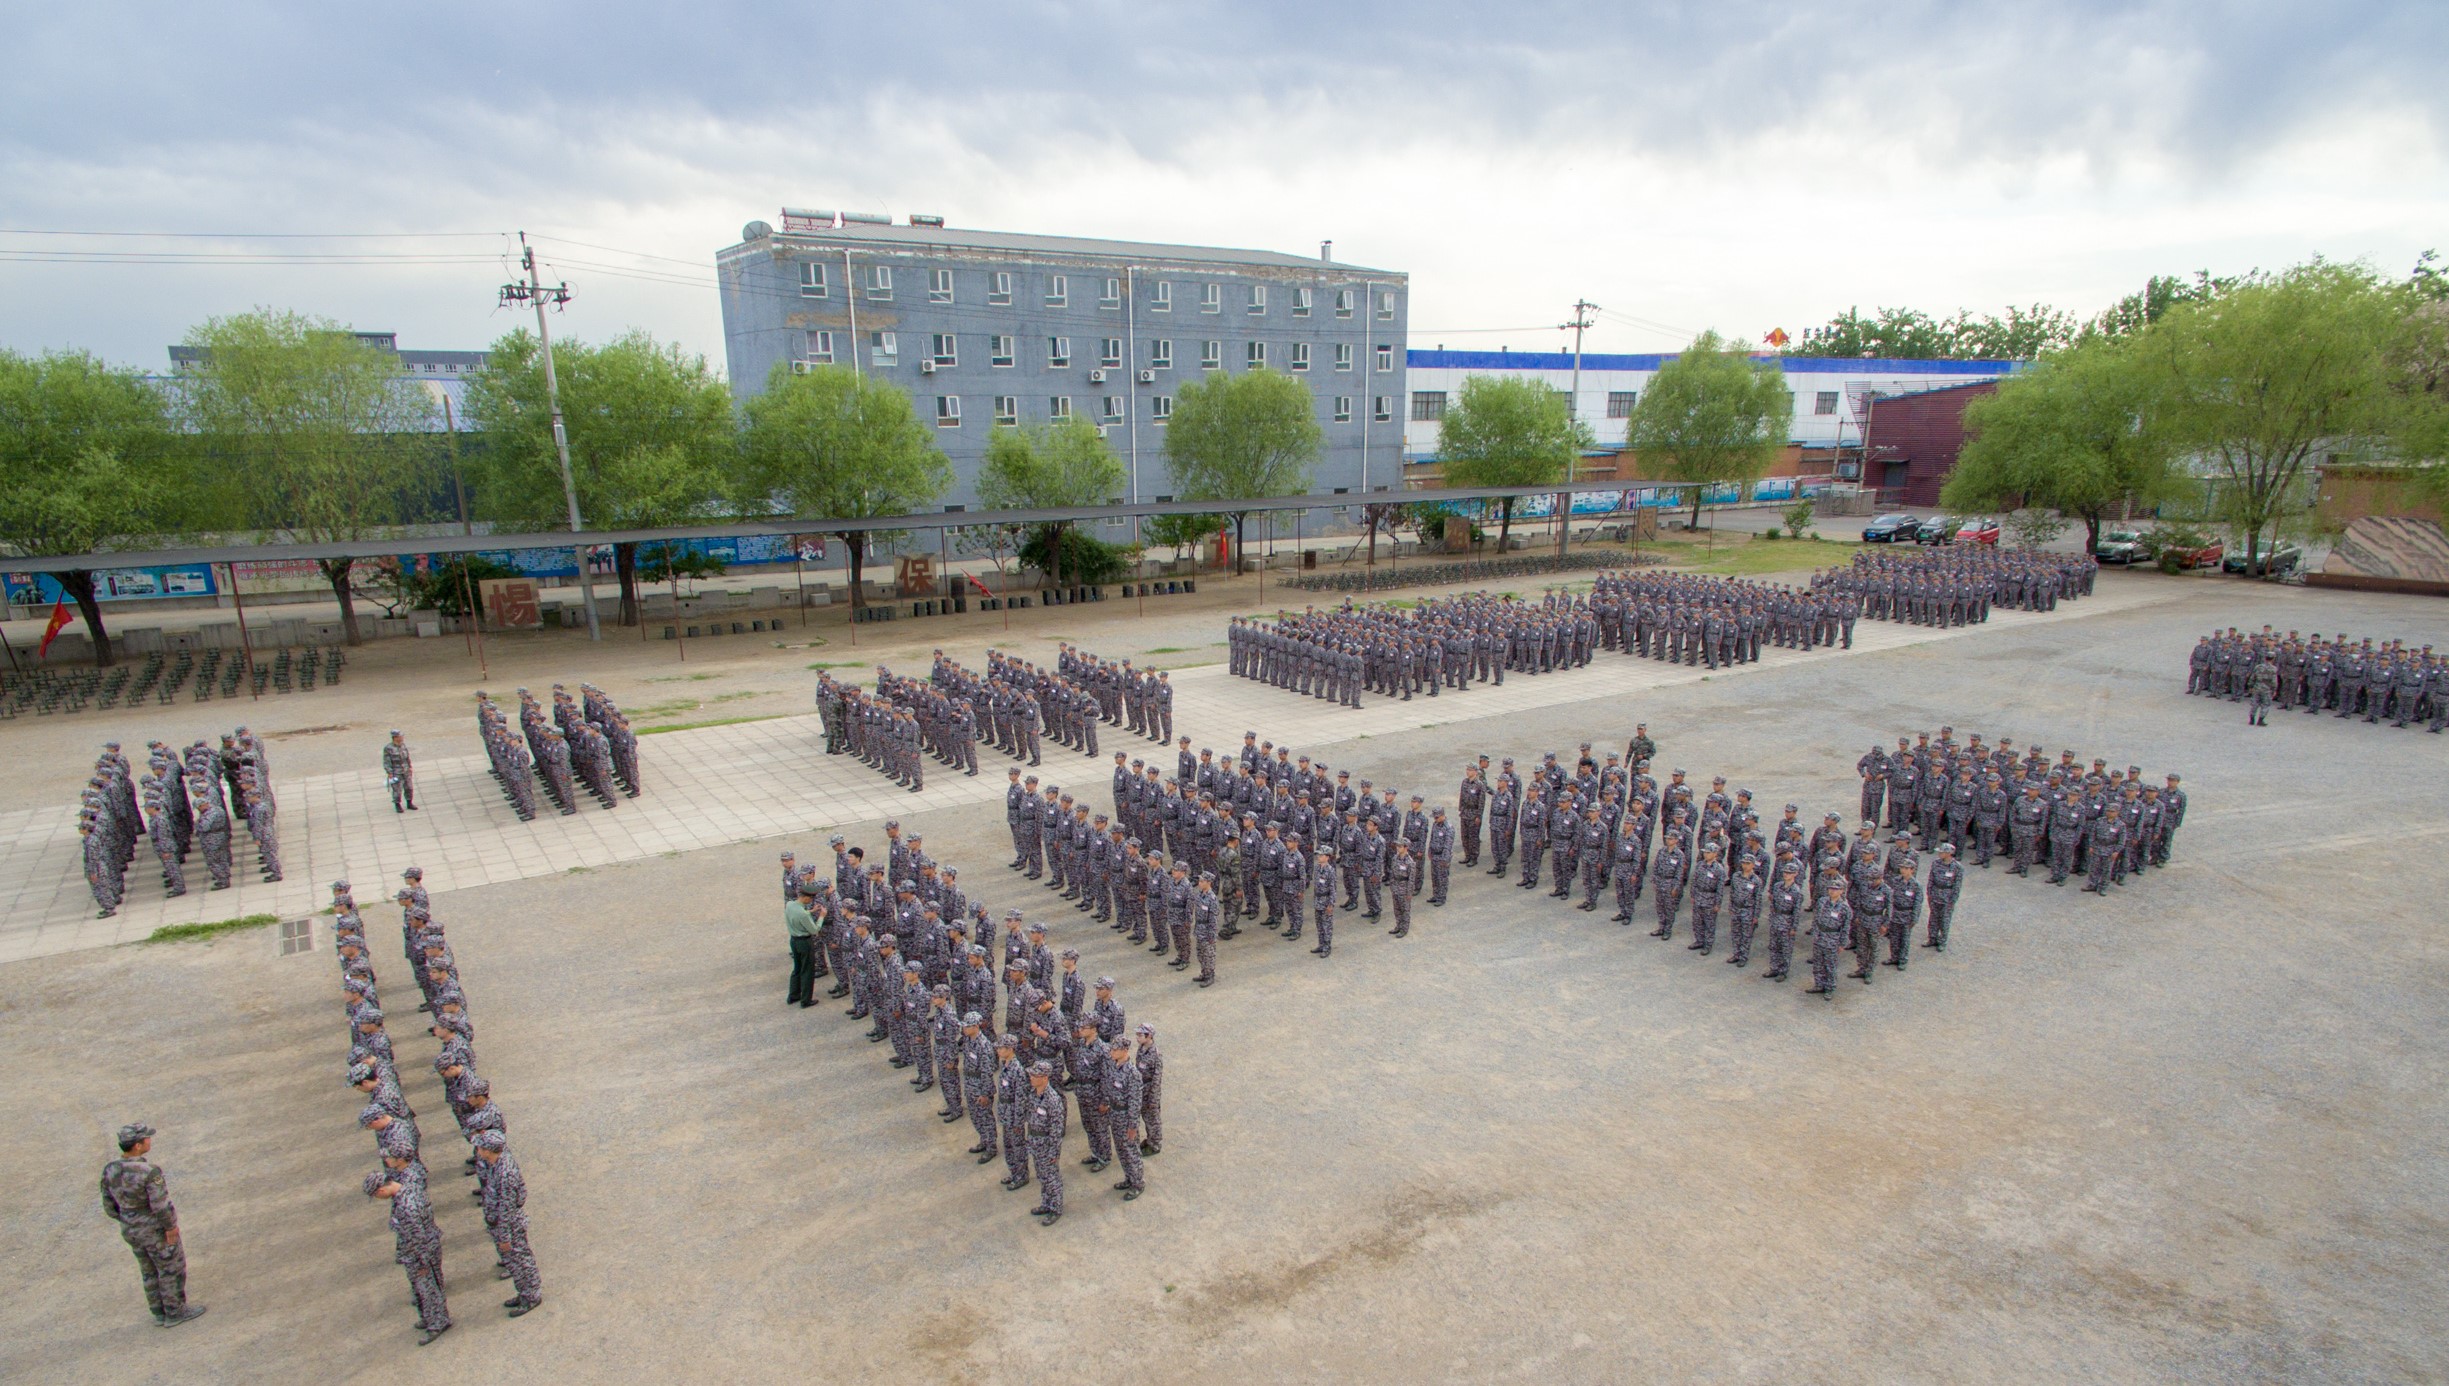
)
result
[(176, 933), (685, 678), (735, 697), (838, 664), (667, 708), (709, 722), (1168, 649), (1739, 555)]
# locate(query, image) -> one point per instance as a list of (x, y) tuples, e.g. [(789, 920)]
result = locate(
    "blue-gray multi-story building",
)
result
[(993, 328)]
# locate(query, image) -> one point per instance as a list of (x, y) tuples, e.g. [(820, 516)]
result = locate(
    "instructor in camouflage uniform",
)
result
[(136, 1195)]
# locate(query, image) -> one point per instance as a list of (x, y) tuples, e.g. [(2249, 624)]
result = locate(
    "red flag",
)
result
[(983, 589), (59, 619)]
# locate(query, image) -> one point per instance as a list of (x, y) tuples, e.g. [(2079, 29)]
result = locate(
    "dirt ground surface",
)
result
[(2192, 1131)]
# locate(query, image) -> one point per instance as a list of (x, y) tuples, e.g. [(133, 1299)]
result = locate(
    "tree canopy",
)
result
[(2260, 380), (86, 464), (1711, 414), (653, 441), (1508, 430), (834, 444), (2079, 433), (1059, 466), (318, 436), (1242, 437)]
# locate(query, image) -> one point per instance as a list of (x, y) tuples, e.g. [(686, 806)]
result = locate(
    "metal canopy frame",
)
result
[(775, 525)]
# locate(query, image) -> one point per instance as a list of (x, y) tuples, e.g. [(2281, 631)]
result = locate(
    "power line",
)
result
[(618, 250)]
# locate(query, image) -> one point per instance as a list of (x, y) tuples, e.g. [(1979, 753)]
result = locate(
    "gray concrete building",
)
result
[(990, 329)]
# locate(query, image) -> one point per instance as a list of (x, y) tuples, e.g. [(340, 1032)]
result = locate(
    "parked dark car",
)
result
[(1938, 529), (1887, 529), (2120, 546), (2275, 561)]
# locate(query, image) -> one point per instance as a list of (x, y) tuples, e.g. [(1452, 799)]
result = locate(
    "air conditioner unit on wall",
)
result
[(1096, 377), (926, 367), (1147, 377), (802, 367)]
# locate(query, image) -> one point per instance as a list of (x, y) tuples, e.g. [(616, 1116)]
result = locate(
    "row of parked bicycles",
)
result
[(203, 675)]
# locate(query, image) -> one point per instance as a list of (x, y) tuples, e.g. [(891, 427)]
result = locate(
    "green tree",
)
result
[(1508, 430), (86, 463), (2079, 433), (2416, 369), (653, 441), (1242, 437), (2147, 305), (2260, 380), (1712, 414), (316, 436), (1062, 466), (835, 445), (1180, 532)]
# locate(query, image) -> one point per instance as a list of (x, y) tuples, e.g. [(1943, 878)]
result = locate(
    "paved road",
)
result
[(2191, 1132)]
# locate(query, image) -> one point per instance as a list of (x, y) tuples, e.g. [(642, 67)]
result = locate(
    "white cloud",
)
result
[(1737, 165)]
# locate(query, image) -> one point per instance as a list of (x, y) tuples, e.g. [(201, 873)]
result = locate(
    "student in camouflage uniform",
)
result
[(1046, 1119), (504, 1193), (136, 1196)]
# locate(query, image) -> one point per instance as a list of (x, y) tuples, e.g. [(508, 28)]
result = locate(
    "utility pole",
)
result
[(533, 291), (1573, 409)]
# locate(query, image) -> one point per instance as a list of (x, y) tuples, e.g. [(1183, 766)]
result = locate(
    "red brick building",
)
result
[(1911, 442)]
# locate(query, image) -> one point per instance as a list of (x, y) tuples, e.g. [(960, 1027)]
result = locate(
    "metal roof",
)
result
[(726, 529), (957, 238)]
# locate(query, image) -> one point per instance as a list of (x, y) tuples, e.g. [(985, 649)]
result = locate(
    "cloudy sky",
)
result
[(1728, 164)]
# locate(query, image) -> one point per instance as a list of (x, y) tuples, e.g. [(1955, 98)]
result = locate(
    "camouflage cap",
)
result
[(478, 1087), (1147, 1031), (374, 1181), (133, 1132)]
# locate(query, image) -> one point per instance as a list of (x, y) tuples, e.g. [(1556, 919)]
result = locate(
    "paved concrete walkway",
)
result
[(716, 785)]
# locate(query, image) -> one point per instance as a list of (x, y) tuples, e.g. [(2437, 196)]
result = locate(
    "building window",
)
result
[(1160, 354), (1386, 306), (1301, 356), (1257, 355), (942, 350), (1343, 409), (1211, 298), (999, 351), (1386, 357), (1109, 352), (1301, 303), (1162, 300), (1058, 352), (1258, 298), (939, 286), (880, 283), (1007, 409), (1428, 406), (1211, 356), (1343, 303), (1343, 356), (999, 288), (1058, 290), (812, 283), (1058, 408), (1565, 398), (820, 347), (1620, 403), (1160, 408), (1382, 408), (1824, 402), (947, 411), (1112, 297), (1113, 408), (883, 349)]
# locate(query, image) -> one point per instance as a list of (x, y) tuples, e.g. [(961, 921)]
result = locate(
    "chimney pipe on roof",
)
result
[(1326, 251)]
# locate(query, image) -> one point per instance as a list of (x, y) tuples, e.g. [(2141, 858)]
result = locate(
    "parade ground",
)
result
[(2193, 1130)]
